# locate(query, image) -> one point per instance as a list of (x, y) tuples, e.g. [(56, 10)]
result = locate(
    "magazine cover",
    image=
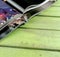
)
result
[(14, 13)]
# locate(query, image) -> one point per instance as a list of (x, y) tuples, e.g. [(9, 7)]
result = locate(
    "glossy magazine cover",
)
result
[(14, 13), (9, 19)]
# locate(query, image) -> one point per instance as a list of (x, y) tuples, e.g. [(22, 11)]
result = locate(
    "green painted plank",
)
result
[(11, 52), (51, 11), (43, 23), (57, 3), (33, 38)]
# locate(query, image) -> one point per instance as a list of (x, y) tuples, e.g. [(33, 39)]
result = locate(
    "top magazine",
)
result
[(27, 5), (14, 13)]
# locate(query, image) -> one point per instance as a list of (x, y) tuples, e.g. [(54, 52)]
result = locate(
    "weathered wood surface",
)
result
[(40, 37)]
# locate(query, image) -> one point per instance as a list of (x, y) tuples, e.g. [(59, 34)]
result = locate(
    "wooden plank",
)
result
[(33, 38), (51, 11), (44, 23), (57, 3), (11, 52)]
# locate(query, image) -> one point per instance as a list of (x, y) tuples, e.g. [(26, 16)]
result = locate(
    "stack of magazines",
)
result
[(17, 12)]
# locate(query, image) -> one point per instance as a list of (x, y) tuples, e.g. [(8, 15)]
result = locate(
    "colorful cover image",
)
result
[(9, 19)]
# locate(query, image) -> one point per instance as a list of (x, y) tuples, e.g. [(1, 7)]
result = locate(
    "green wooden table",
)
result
[(40, 37)]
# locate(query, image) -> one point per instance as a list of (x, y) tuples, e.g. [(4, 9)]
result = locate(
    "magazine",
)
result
[(17, 12)]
